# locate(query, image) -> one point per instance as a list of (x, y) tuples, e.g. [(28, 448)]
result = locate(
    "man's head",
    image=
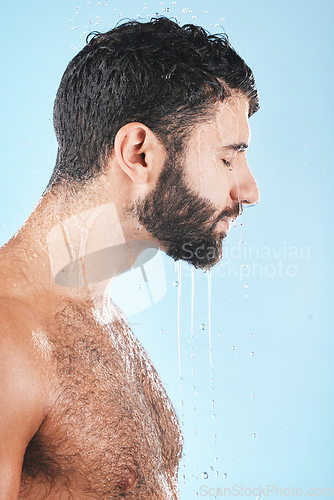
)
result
[(157, 73), (200, 191), (148, 95)]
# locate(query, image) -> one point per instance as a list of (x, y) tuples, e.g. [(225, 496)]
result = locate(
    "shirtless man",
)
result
[(152, 125)]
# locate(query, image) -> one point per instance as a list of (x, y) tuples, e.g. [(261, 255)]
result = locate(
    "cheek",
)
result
[(208, 177)]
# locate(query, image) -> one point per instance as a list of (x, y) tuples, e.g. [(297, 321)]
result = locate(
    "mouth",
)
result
[(225, 224)]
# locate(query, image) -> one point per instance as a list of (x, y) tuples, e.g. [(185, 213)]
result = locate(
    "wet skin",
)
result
[(84, 412), (106, 428)]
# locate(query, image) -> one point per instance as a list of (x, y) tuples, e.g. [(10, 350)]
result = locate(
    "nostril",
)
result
[(248, 203)]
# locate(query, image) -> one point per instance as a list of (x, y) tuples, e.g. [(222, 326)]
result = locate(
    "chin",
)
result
[(201, 257)]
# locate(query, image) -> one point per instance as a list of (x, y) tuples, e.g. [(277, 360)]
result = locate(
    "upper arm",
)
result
[(20, 411)]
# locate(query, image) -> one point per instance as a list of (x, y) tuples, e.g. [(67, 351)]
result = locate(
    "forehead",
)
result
[(228, 124)]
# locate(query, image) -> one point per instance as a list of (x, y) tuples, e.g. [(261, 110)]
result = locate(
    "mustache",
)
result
[(230, 212)]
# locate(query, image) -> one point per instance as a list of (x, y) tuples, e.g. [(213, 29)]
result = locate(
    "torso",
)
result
[(112, 431)]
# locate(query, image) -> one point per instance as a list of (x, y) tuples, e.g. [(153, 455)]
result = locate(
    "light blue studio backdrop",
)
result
[(257, 409)]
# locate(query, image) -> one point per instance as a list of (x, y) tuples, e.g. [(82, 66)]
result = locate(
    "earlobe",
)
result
[(130, 147)]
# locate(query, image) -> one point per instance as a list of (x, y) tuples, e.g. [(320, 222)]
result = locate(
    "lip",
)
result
[(224, 224)]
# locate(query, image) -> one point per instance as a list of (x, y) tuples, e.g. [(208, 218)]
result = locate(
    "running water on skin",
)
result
[(209, 281)]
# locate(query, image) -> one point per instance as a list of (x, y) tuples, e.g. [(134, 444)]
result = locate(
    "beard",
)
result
[(182, 221)]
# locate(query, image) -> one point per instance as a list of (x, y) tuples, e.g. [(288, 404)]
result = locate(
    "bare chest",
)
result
[(112, 432)]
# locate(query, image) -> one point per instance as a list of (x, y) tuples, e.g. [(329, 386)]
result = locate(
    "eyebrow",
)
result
[(242, 146)]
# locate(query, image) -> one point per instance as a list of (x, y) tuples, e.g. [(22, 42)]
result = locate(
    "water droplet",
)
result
[(139, 227), (205, 475), (211, 468), (161, 330), (233, 348), (140, 286), (225, 475), (253, 396), (252, 354), (251, 336), (176, 283), (254, 435), (246, 286), (203, 326)]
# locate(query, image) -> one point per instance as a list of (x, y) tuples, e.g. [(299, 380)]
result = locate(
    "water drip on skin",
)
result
[(197, 143)]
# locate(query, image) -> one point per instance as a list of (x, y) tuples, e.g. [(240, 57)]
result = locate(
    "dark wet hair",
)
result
[(158, 73)]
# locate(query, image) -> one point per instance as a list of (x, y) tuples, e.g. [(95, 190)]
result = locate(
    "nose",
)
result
[(244, 188)]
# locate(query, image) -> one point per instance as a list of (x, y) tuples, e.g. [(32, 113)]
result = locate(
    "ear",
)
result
[(137, 149)]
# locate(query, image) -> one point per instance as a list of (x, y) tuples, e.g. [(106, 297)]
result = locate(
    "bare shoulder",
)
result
[(23, 362), (21, 404)]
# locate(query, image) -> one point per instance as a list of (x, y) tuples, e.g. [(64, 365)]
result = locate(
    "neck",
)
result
[(72, 251)]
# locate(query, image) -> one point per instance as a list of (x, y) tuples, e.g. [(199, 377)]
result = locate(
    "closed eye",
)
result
[(227, 163)]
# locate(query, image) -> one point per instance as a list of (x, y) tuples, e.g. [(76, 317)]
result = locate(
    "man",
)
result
[(152, 126)]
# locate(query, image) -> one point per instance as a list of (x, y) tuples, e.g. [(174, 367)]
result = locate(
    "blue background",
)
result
[(261, 413)]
